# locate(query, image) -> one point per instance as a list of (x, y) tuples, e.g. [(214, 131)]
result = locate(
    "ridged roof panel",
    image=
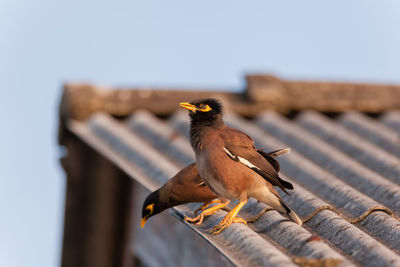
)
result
[(350, 164)]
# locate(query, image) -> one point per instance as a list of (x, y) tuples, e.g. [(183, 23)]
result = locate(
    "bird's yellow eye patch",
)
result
[(150, 208), (204, 108), (193, 108)]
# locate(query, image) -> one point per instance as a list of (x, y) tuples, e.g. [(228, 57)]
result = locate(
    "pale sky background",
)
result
[(207, 43)]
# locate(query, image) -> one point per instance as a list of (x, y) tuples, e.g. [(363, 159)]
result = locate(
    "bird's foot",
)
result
[(205, 205), (229, 219), (207, 212), (226, 223), (198, 219), (239, 220)]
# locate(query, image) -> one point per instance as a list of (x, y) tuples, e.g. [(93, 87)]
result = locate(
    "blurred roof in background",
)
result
[(123, 143)]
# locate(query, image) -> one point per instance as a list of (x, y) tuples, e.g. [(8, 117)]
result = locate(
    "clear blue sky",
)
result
[(44, 43)]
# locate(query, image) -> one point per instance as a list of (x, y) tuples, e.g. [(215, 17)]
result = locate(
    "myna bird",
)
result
[(229, 163), (185, 187)]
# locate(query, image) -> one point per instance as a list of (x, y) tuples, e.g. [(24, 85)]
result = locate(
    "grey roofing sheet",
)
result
[(350, 163), (392, 120), (370, 155), (373, 131)]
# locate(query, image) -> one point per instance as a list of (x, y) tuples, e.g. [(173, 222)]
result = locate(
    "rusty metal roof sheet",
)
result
[(350, 163)]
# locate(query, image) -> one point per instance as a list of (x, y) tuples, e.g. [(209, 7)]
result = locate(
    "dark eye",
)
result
[(202, 106)]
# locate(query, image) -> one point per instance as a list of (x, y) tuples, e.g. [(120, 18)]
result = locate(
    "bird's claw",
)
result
[(198, 219), (239, 220), (230, 218), (204, 212), (206, 205), (198, 210), (225, 223)]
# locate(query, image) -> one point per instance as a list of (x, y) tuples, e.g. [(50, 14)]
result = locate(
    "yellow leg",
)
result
[(229, 218), (205, 205), (199, 219)]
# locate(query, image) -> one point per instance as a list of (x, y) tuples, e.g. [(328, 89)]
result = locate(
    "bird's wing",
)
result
[(240, 147), (270, 159), (187, 186)]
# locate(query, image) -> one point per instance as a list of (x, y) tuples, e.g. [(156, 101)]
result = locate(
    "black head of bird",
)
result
[(204, 111), (151, 207)]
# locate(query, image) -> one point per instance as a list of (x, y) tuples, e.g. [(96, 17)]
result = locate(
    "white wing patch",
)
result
[(201, 184), (240, 159)]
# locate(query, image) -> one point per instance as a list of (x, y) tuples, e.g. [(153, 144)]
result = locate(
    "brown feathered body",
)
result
[(226, 176), (185, 187)]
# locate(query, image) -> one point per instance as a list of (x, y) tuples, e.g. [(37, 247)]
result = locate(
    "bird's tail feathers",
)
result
[(279, 152), (285, 184), (293, 216)]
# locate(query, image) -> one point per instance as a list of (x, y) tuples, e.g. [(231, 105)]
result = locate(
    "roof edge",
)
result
[(263, 91)]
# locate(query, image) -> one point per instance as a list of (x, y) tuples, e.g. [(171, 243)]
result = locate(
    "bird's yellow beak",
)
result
[(143, 222), (188, 106)]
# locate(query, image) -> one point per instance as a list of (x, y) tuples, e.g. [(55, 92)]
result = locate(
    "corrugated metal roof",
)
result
[(351, 163)]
